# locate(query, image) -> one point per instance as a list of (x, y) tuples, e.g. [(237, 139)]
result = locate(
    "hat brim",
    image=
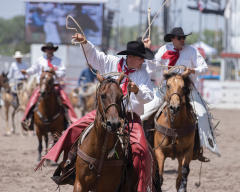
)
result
[(147, 55), (44, 48), (19, 56), (169, 36)]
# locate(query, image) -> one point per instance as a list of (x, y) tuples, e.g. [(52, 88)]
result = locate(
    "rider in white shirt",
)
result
[(15, 76), (177, 53), (47, 62), (141, 93)]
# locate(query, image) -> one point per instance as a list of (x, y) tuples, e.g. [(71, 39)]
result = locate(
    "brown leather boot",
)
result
[(201, 157)]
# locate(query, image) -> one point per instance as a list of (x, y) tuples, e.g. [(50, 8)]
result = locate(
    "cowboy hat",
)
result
[(177, 31), (137, 48), (49, 45), (18, 54)]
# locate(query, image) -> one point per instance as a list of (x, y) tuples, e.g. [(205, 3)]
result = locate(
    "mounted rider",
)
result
[(141, 93), (177, 53), (15, 76), (47, 62)]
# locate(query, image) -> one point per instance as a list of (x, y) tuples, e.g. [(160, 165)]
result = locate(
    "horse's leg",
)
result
[(39, 135), (179, 177), (6, 107), (13, 130), (78, 187), (185, 170), (46, 141), (160, 160)]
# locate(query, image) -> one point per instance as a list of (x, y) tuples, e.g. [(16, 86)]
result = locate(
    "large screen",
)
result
[(46, 22)]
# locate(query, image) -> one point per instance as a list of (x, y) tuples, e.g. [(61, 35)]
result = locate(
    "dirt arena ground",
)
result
[(18, 156)]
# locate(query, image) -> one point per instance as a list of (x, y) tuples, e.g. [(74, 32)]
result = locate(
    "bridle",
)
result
[(120, 109), (47, 92)]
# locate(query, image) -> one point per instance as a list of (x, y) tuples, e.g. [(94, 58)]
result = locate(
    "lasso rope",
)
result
[(78, 42), (155, 16)]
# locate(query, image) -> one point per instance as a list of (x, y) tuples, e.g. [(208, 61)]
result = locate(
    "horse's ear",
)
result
[(166, 74), (120, 78), (186, 73), (42, 69), (52, 70), (99, 77)]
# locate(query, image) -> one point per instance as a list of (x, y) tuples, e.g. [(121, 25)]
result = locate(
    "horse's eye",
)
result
[(168, 87), (103, 96)]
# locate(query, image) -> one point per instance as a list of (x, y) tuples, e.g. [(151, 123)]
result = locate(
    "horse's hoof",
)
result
[(8, 133)]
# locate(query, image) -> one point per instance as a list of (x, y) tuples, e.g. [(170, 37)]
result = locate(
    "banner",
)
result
[(46, 21)]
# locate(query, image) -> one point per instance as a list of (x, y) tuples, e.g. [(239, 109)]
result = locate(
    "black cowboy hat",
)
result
[(177, 31), (137, 48), (49, 45)]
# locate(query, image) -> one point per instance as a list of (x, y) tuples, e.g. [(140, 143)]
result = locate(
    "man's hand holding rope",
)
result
[(77, 37)]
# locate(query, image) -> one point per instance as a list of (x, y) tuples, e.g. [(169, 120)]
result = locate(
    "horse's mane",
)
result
[(187, 87)]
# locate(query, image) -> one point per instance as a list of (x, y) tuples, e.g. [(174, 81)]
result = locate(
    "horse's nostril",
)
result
[(108, 123)]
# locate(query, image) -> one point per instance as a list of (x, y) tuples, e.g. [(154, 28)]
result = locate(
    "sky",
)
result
[(186, 18)]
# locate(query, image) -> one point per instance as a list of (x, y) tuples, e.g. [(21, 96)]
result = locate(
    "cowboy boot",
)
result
[(198, 150), (65, 172), (28, 123)]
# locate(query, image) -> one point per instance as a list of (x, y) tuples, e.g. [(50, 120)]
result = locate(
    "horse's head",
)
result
[(4, 81), (47, 82), (109, 102), (177, 90)]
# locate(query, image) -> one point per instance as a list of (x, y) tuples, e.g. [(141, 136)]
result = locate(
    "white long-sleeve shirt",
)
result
[(15, 74), (188, 56), (42, 63), (108, 63)]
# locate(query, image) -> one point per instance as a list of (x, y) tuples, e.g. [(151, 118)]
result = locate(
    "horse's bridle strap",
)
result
[(95, 162)]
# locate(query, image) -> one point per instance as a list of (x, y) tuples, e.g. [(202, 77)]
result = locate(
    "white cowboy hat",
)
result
[(18, 54)]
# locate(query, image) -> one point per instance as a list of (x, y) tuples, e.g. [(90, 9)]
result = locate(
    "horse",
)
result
[(106, 143), (25, 91), (49, 112), (84, 100), (175, 127), (7, 98)]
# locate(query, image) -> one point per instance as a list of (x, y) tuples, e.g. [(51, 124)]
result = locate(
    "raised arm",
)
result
[(97, 59)]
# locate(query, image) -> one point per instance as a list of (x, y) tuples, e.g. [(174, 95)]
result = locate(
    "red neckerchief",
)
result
[(51, 65), (172, 56), (126, 72)]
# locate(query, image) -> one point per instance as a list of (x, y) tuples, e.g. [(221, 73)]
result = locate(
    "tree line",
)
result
[(12, 36)]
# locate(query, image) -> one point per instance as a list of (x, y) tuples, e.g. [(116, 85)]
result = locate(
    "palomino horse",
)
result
[(84, 99), (7, 98), (107, 144), (175, 126), (25, 92), (49, 112)]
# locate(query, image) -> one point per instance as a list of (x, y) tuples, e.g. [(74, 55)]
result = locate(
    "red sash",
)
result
[(172, 56), (51, 65), (126, 72)]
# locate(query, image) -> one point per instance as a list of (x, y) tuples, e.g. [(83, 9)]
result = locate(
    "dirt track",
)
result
[(18, 156)]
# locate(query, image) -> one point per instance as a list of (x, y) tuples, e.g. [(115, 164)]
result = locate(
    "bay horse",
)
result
[(7, 99), (175, 126), (49, 112), (101, 161)]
